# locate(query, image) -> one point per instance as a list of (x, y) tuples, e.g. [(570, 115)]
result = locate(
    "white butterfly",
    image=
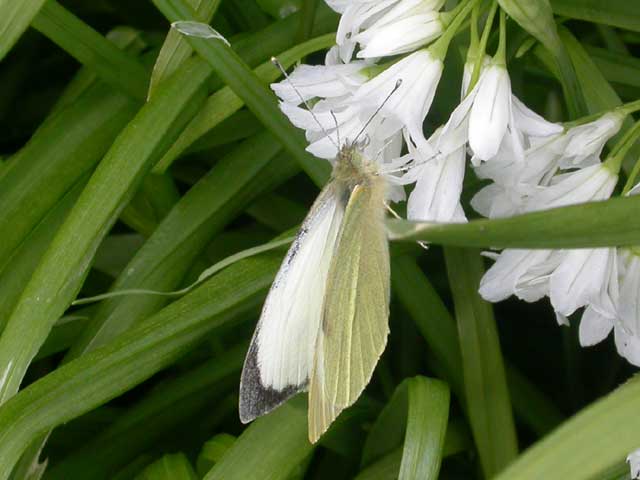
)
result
[(324, 323)]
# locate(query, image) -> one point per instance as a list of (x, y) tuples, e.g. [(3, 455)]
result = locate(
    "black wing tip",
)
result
[(257, 399)]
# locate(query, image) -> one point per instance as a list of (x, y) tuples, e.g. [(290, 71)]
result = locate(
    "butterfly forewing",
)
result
[(354, 327), (280, 357)]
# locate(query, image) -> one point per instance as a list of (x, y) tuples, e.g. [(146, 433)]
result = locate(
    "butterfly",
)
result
[(324, 323)]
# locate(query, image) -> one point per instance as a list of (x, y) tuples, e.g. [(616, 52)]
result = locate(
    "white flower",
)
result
[(629, 300), (617, 306), (492, 119), (490, 113), (580, 278), (585, 142), (520, 272), (387, 27), (408, 25), (320, 81), (634, 463), (588, 184), (419, 74), (436, 195), (578, 147), (572, 278)]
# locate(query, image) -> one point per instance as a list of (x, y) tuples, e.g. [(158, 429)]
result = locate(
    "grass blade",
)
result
[(46, 168), (617, 13), (262, 102), (485, 384), (163, 261), (419, 409), (222, 104), (595, 224), (15, 18), (175, 49), (170, 467), (159, 413), (250, 458), (59, 276), (595, 440), (134, 356), (114, 66)]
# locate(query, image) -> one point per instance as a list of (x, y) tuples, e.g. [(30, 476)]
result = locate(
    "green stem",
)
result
[(632, 178), (501, 53), (620, 150), (439, 48), (624, 109), (483, 46), (474, 41)]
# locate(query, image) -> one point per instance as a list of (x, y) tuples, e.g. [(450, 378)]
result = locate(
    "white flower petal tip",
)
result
[(635, 190), (199, 30), (633, 459), (386, 27), (490, 113), (580, 278), (436, 195), (594, 327), (410, 102)]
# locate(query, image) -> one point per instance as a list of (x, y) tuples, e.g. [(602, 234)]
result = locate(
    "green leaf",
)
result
[(595, 224), (114, 66), (175, 49), (160, 413), (233, 71), (536, 17), (388, 466), (133, 357), (213, 451), (67, 146), (271, 448), (599, 94), (15, 17), (617, 13), (438, 328), (593, 441), (222, 104), (169, 467), (419, 409), (488, 403), (161, 264), (61, 272), (616, 67), (26, 257)]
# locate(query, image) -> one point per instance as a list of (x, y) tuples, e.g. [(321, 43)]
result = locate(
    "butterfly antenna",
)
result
[(335, 120), (396, 87), (277, 63)]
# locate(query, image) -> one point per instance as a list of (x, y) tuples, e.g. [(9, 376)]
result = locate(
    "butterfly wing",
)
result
[(280, 356), (356, 310)]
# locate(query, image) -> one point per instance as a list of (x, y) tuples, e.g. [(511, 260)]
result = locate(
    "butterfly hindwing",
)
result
[(356, 309)]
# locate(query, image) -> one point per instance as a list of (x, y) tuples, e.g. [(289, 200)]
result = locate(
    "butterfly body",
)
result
[(324, 323)]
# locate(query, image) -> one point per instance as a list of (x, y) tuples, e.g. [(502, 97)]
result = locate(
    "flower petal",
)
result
[(594, 327), (490, 112)]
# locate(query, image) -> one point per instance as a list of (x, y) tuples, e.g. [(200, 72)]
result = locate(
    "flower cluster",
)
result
[(379, 81)]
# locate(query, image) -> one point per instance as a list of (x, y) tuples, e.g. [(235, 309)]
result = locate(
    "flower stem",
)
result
[(632, 178), (624, 110), (474, 40), (630, 107), (477, 67), (439, 48), (501, 54), (620, 150)]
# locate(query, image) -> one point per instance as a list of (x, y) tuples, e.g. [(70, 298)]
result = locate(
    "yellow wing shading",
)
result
[(356, 309)]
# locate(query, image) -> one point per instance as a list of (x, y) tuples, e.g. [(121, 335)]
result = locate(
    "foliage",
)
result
[(135, 158)]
